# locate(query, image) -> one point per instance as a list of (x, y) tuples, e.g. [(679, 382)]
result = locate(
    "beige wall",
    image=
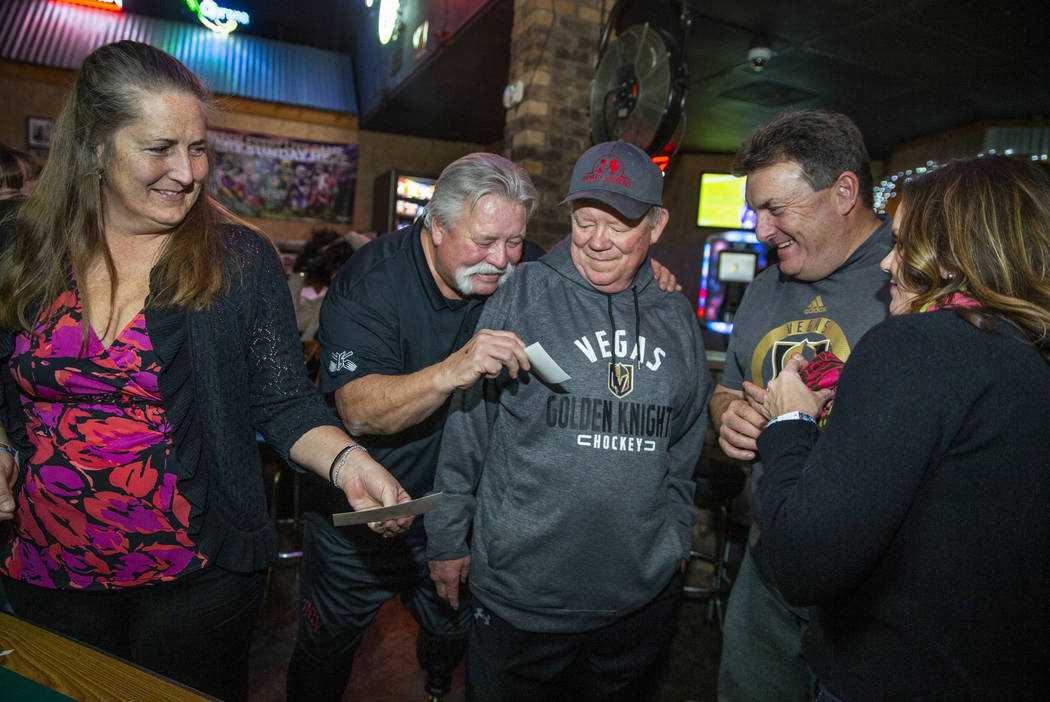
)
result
[(28, 91)]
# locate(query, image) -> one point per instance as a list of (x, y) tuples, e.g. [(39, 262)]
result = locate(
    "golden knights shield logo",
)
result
[(621, 379), (783, 350)]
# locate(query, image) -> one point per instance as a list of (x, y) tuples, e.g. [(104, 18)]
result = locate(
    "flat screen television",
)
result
[(721, 203)]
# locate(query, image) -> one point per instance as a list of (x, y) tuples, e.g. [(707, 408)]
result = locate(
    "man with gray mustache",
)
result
[(397, 338), (465, 276)]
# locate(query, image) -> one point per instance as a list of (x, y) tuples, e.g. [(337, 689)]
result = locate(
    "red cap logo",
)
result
[(607, 169)]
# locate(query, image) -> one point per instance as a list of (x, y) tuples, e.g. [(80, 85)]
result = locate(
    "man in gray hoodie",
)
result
[(577, 492)]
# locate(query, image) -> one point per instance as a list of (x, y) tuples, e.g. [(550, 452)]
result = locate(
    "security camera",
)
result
[(758, 57)]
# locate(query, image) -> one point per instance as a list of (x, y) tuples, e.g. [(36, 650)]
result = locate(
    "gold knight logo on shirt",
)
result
[(809, 348), (621, 379), (806, 336)]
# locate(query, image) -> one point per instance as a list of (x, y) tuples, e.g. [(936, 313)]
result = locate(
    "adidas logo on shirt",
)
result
[(816, 306)]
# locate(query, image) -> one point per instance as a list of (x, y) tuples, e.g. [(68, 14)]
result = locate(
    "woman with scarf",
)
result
[(917, 525)]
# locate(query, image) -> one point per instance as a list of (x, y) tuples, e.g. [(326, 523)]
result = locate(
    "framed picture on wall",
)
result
[(38, 132)]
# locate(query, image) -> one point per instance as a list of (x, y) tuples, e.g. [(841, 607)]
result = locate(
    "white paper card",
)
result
[(379, 514), (544, 366)]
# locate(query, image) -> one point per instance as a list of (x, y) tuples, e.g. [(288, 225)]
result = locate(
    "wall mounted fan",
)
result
[(638, 91)]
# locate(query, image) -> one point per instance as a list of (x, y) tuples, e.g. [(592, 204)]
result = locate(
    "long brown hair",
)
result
[(981, 226), (60, 225)]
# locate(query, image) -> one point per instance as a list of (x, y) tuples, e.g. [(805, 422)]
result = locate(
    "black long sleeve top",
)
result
[(918, 525)]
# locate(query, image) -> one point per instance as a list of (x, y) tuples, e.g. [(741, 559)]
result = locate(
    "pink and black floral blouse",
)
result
[(97, 509)]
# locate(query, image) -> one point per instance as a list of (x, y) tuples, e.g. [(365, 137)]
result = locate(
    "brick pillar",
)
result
[(550, 128)]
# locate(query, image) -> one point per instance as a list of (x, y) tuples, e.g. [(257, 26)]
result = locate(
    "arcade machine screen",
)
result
[(399, 198), (413, 193), (732, 257)]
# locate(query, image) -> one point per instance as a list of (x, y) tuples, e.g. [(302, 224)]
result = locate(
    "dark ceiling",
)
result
[(902, 69)]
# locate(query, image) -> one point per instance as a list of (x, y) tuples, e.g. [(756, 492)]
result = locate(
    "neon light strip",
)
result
[(220, 20), (721, 327), (212, 11), (702, 300), (108, 5)]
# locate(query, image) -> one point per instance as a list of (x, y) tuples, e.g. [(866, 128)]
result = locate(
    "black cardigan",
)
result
[(917, 525), (229, 370)]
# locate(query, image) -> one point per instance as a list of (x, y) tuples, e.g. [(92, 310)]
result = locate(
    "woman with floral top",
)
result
[(147, 337)]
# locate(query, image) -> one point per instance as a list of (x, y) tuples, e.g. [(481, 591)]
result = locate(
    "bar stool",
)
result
[(276, 474), (718, 482), (284, 513)]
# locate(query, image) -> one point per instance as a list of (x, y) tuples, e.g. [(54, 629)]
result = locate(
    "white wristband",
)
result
[(787, 416)]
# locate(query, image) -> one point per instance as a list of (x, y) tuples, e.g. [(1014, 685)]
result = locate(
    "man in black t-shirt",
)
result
[(397, 338)]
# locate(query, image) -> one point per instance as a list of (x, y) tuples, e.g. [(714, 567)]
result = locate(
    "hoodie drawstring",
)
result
[(637, 323)]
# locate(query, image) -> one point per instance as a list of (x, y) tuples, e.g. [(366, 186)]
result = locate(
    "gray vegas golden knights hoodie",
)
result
[(580, 495)]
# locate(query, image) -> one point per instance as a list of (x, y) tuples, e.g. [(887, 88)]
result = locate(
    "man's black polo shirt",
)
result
[(383, 313)]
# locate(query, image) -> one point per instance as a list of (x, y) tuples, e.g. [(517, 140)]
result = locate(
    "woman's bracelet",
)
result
[(789, 416), (339, 460), (9, 449)]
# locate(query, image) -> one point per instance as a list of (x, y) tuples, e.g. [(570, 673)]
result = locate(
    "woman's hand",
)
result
[(787, 393), (368, 485), (8, 473), (365, 483)]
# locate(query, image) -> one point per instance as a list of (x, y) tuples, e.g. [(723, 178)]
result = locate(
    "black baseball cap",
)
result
[(619, 174)]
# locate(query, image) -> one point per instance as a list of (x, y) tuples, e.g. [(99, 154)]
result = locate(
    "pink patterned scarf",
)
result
[(823, 371)]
